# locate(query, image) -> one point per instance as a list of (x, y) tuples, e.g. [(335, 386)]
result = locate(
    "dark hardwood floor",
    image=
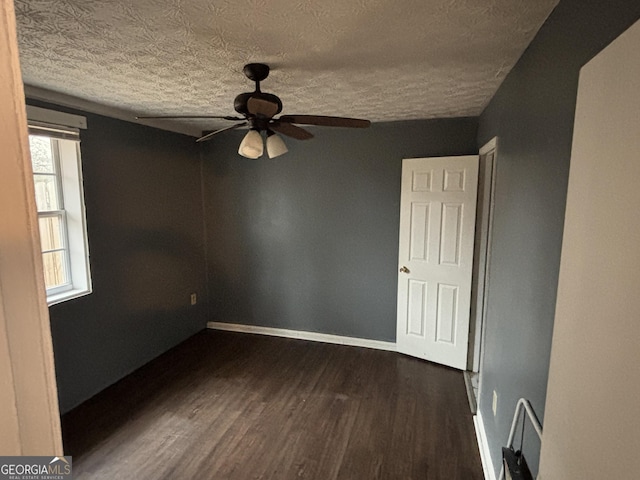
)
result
[(237, 406)]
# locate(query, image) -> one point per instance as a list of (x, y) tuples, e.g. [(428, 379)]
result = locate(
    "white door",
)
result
[(437, 222)]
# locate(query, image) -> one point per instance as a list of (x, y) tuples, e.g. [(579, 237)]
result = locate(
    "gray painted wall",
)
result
[(144, 217), (309, 241), (532, 114)]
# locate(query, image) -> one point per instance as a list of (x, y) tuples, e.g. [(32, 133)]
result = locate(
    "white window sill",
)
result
[(68, 295)]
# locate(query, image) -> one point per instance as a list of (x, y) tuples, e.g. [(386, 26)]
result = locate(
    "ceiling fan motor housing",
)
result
[(240, 102)]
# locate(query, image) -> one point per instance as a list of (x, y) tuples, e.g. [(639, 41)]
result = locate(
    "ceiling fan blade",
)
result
[(326, 121), (209, 135), (290, 130), (261, 107), (168, 117)]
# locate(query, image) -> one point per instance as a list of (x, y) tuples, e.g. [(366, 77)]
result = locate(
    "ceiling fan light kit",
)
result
[(258, 109), (275, 145), (251, 145)]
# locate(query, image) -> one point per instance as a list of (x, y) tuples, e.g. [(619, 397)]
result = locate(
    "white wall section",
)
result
[(592, 414)]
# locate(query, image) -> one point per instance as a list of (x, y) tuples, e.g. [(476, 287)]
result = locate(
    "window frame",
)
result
[(59, 213), (67, 165)]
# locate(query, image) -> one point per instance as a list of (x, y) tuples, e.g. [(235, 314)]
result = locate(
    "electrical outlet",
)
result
[(494, 405), (194, 299)]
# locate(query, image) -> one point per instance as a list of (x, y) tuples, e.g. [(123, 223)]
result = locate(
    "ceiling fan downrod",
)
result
[(256, 72)]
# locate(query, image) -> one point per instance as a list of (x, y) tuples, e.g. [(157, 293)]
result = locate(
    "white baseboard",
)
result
[(302, 335), (483, 445), (471, 396)]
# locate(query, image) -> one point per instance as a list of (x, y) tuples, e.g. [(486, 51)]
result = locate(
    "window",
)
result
[(57, 176)]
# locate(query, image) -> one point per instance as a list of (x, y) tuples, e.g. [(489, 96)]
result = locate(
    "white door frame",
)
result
[(477, 355), (29, 413), (480, 296)]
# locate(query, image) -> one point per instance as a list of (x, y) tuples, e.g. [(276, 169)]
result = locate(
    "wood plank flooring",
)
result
[(236, 406)]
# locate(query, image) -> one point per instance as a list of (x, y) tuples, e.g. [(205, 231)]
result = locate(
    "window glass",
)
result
[(51, 233), (41, 154), (47, 195), (55, 271)]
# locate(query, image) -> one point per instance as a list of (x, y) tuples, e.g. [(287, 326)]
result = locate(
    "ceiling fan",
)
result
[(258, 109)]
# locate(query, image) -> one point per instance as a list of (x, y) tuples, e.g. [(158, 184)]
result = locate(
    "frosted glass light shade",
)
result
[(275, 145), (251, 145)]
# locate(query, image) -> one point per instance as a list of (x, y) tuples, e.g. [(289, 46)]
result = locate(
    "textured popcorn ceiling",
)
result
[(376, 59)]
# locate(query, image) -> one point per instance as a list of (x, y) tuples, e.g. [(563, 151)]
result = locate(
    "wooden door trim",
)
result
[(31, 411)]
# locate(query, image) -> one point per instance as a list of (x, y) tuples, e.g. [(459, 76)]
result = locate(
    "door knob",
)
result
[(404, 270)]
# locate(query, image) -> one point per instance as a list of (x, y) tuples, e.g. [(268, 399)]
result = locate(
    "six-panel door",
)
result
[(437, 222)]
